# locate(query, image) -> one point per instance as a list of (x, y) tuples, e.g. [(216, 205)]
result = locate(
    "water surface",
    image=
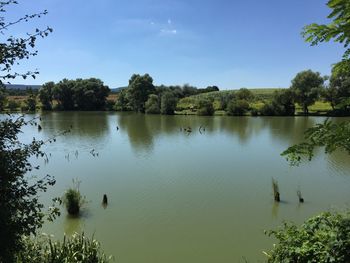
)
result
[(174, 196)]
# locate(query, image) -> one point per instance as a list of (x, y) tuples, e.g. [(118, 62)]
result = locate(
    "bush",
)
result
[(205, 107), (73, 200), (168, 103), (13, 105), (76, 248), (323, 238), (152, 105), (237, 107)]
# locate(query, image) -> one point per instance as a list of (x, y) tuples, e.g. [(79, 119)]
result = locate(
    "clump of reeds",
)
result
[(73, 199), (276, 193), (301, 199), (77, 248)]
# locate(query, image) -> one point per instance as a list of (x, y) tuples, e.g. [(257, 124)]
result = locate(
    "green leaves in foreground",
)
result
[(323, 238), (329, 135), (77, 248)]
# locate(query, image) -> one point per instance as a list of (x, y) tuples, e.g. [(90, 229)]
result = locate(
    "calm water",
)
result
[(178, 197)]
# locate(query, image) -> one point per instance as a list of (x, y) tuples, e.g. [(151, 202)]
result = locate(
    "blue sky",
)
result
[(228, 43)]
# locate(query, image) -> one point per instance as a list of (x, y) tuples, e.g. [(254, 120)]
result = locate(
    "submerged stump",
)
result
[(104, 200), (277, 197)]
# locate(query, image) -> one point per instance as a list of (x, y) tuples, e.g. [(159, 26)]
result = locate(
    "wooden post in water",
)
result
[(105, 200)]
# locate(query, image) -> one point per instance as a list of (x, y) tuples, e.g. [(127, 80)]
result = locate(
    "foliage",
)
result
[(282, 104), (122, 103), (140, 87), (244, 94), (15, 49), (323, 238), (30, 102), (238, 107), (205, 108), (152, 104), (79, 94), (20, 209), (13, 105), (168, 103), (330, 135), (73, 200), (77, 248), (338, 29), (46, 95), (2, 97), (307, 86), (90, 94), (339, 87)]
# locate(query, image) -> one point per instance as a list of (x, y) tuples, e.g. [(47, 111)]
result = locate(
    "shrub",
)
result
[(73, 200), (152, 104), (13, 105), (323, 238), (77, 248), (168, 103), (205, 107), (237, 107)]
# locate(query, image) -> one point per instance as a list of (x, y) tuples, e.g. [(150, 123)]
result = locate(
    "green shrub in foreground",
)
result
[(323, 238), (77, 248)]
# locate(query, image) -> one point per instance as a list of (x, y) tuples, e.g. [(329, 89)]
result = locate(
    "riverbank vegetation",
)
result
[(309, 94), (76, 248)]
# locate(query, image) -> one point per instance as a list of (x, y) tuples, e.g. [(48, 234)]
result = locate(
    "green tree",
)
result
[(244, 94), (122, 103), (63, 92), (152, 104), (138, 90), (46, 95), (89, 94), (205, 107), (238, 107), (30, 102), (339, 85), (168, 103), (307, 86), (13, 105), (282, 104), (3, 96), (20, 210)]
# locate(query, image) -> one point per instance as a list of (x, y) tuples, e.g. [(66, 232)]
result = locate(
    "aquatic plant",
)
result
[(73, 200), (275, 188)]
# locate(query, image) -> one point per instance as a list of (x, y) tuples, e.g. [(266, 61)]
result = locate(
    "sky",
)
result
[(227, 43)]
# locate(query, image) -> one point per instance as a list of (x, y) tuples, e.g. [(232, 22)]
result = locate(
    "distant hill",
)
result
[(22, 87), (116, 90)]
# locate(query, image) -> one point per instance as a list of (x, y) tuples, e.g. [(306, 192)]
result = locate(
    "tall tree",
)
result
[(138, 90), (46, 95), (168, 103), (20, 210), (307, 86)]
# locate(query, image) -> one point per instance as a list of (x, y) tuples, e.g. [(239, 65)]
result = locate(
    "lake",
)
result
[(175, 196)]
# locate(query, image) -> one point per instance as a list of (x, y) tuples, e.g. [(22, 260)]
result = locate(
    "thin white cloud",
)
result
[(168, 31), (169, 21)]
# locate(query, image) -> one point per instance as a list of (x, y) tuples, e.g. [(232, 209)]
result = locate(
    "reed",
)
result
[(73, 200), (77, 248)]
